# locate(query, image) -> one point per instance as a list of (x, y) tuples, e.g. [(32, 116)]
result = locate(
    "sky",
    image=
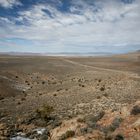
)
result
[(81, 26)]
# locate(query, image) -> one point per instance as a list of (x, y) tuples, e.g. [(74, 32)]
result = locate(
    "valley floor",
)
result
[(76, 94)]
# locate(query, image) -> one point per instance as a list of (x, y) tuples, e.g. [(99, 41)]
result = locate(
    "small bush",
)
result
[(119, 137), (108, 138), (135, 110), (81, 120), (105, 95), (97, 84), (54, 82), (111, 128), (95, 118), (19, 103), (44, 111), (115, 124), (1, 97), (84, 130), (59, 89), (23, 99), (92, 120), (99, 116), (68, 134), (98, 97), (80, 85), (16, 76), (102, 89), (54, 94), (45, 135)]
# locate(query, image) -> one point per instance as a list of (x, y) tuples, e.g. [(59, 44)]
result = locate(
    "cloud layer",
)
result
[(81, 26), (9, 3)]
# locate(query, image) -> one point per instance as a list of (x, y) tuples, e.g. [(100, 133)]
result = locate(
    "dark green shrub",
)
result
[(111, 128), (119, 137), (102, 89), (135, 110), (1, 97), (84, 130), (81, 120), (68, 134), (44, 111), (116, 123)]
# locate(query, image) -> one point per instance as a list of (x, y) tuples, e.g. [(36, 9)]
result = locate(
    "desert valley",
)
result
[(70, 98)]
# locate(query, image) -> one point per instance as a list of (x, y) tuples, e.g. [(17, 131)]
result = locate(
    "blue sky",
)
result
[(69, 26)]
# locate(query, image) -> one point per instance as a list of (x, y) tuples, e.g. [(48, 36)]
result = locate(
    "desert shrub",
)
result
[(105, 95), (114, 125), (92, 125), (16, 76), (79, 80), (68, 134), (55, 123), (108, 138), (135, 110), (92, 120), (54, 94), (84, 130), (80, 85), (23, 99), (45, 135), (102, 89), (44, 111), (96, 117), (81, 120), (25, 94), (99, 116), (119, 137), (54, 82), (19, 103), (2, 115), (59, 89), (98, 97), (1, 97)]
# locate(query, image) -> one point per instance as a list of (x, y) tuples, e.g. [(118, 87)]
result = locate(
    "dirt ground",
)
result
[(73, 86)]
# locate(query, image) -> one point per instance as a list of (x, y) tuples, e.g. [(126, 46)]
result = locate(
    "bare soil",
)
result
[(73, 86)]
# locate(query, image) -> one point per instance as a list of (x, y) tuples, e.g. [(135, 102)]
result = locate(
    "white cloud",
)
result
[(105, 24), (9, 3)]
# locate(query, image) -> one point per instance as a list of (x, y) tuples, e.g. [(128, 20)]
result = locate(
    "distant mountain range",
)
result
[(59, 54)]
